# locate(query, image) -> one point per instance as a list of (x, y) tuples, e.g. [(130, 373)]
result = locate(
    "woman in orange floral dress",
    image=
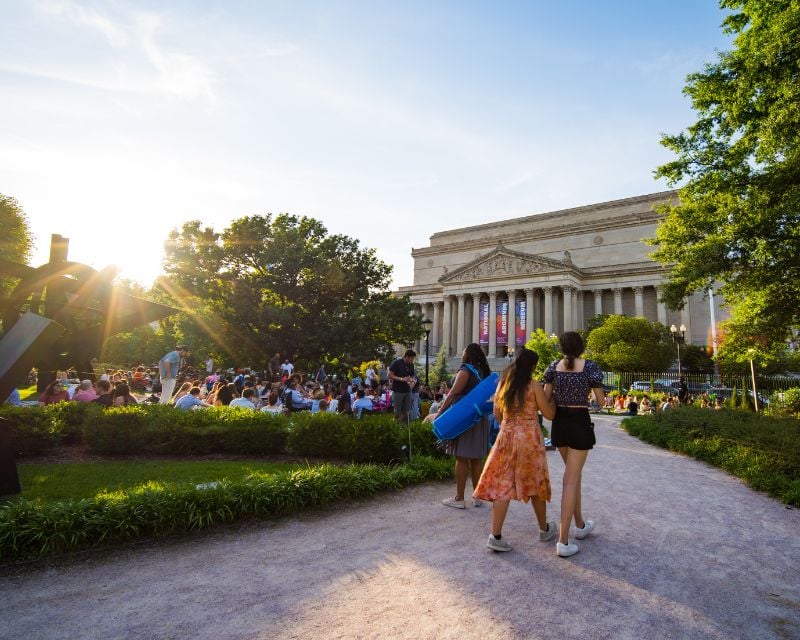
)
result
[(516, 468)]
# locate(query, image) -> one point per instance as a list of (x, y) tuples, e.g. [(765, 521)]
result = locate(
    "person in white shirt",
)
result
[(209, 365), (272, 403), (246, 401), (287, 367)]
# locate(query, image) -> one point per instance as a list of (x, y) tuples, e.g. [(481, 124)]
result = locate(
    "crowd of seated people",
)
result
[(244, 389)]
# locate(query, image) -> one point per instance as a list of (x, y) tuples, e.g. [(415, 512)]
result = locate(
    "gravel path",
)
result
[(681, 550)]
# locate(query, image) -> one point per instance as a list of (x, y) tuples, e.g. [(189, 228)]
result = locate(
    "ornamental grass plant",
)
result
[(35, 529), (764, 451)]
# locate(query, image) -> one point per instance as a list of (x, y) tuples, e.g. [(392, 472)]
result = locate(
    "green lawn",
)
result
[(50, 482)]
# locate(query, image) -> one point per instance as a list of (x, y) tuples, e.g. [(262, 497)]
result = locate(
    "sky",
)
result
[(387, 121)]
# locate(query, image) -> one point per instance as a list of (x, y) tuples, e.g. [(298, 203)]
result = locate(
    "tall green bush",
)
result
[(324, 435)]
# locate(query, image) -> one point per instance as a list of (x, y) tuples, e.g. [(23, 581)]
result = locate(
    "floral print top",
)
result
[(571, 388)]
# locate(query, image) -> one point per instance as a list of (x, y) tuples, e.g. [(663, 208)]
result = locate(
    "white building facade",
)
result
[(496, 283)]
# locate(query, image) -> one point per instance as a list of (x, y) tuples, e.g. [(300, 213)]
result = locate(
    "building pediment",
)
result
[(504, 263)]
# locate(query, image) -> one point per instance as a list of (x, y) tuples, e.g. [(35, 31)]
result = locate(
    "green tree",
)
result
[(438, 372), (631, 344), (737, 219), (695, 359), (282, 283), (546, 347), (16, 241), (739, 343)]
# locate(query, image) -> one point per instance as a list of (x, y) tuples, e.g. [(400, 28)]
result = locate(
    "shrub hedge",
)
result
[(33, 529), (160, 429), (763, 451)]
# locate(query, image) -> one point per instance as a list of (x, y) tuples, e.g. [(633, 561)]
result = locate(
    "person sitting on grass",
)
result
[(191, 400), (53, 393), (122, 395), (272, 405), (362, 404), (225, 395), (633, 406), (246, 401), (184, 389), (104, 397), (85, 392)]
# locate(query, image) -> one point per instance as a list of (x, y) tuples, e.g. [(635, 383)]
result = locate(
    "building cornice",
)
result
[(569, 228)]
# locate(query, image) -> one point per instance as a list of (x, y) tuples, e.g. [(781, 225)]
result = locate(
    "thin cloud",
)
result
[(140, 63)]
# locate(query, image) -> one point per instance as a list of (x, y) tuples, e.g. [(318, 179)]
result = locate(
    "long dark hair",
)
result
[(516, 378), (226, 393), (571, 346), (474, 355)]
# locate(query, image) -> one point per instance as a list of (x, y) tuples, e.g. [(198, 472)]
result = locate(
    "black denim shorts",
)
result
[(573, 428)]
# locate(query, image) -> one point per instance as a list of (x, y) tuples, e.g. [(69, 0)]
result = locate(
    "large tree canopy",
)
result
[(738, 216), (282, 283), (16, 241), (631, 344)]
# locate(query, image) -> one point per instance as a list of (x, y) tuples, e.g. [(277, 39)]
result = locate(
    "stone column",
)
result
[(418, 343), (437, 322), (461, 329), (476, 319), (618, 301), (638, 294), (661, 307), (446, 330), (492, 324), (529, 321), (598, 301), (566, 291), (579, 311), (548, 310), (512, 318), (686, 319)]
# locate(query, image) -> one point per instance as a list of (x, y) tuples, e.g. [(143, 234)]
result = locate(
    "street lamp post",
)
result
[(678, 337), (428, 324)]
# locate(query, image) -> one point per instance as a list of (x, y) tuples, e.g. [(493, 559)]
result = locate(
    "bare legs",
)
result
[(574, 460), (500, 509), (467, 467)]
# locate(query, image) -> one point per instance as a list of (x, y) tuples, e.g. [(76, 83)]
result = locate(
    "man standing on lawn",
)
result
[(401, 373), (168, 370)]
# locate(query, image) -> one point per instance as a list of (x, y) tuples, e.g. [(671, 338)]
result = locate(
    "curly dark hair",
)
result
[(473, 354), (571, 345)]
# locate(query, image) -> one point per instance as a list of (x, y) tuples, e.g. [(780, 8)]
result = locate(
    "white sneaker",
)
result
[(588, 527), (452, 502), (477, 502), (550, 533), (497, 545), (566, 550)]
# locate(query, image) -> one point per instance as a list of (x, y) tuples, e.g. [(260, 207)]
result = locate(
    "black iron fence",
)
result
[(719, 385)]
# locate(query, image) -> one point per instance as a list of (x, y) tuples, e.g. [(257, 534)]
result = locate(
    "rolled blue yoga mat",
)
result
[(467, 411)]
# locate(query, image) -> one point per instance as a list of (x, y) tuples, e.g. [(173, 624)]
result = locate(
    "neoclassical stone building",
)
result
[(495, 283)]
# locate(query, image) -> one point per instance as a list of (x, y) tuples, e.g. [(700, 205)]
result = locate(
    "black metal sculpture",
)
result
[(81, 300)]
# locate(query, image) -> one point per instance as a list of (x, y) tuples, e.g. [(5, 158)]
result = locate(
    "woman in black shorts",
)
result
[(570, 380)]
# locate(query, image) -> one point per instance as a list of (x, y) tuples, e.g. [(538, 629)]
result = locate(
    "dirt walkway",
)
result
[(681, 550)]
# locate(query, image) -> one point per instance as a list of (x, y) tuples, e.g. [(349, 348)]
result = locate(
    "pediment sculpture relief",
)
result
[(500, 266)]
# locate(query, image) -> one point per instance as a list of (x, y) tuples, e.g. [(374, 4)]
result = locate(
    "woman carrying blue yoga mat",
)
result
[(471, 447)]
